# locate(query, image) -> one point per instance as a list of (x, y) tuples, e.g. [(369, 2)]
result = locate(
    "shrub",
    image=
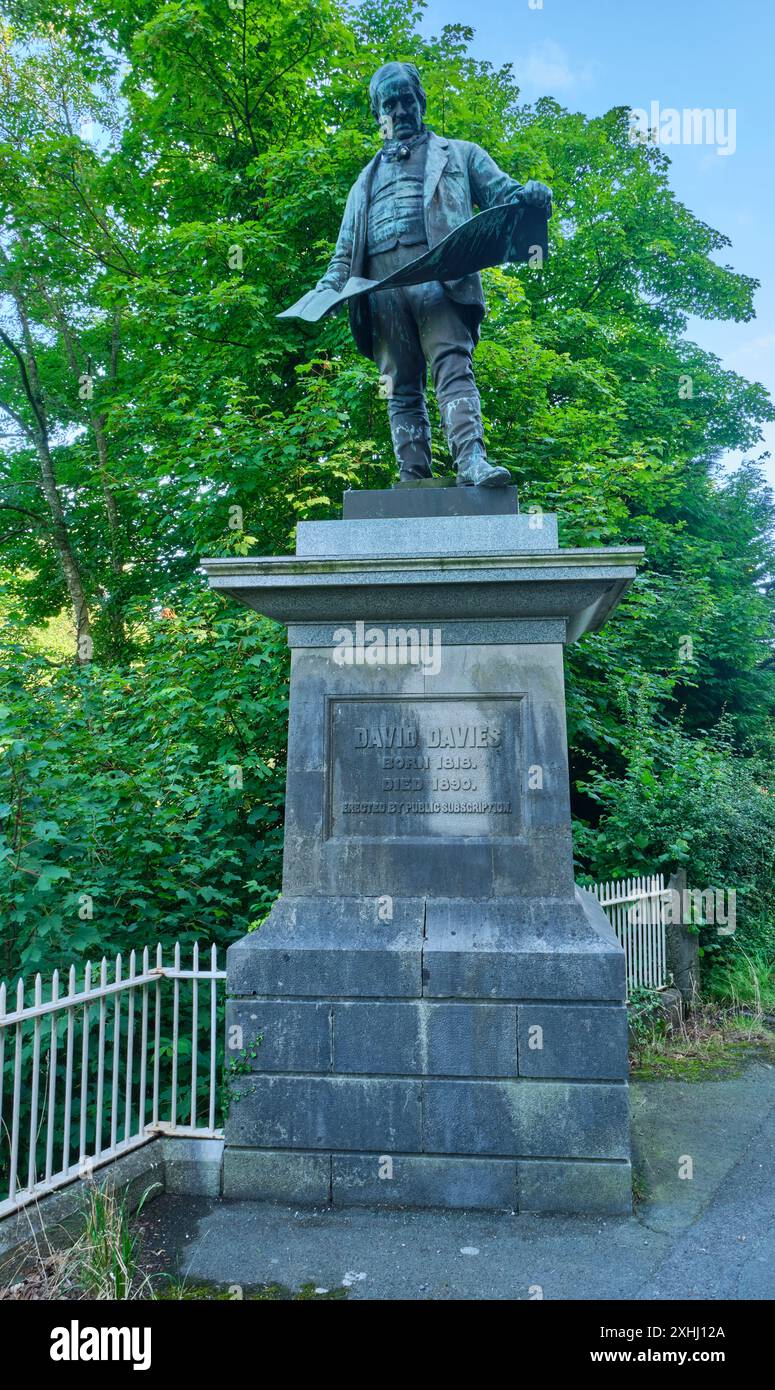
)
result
[(699, 803), (142, 802)]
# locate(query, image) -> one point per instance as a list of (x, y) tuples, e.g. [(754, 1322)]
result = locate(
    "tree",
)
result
[(148, 253)]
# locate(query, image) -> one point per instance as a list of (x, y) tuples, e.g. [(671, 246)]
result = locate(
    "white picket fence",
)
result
[(96, 1093), (636, 909)]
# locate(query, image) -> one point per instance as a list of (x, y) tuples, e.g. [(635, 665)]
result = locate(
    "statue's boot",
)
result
[(461, 413), (414, 475), (477, 472), (411, 433)]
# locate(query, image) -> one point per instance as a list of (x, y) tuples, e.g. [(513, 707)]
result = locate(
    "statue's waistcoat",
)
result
[(446, 203), (396, 212)]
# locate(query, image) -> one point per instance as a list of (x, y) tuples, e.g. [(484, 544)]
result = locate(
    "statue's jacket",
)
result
[(459, 176)]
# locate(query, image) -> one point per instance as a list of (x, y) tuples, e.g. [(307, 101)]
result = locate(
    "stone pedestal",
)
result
[(440, 1011)]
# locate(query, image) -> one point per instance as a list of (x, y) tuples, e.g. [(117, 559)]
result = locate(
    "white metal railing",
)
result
[(86, 1100), (637, 911)]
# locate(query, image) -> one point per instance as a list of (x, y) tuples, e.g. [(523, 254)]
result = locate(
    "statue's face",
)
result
[(399, 111)]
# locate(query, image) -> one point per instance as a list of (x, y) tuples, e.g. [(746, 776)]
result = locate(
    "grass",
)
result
[(261, 1293), (747, 979), (42, 1273), (713, 1042), (105, 1257), (639, 1189), (101, 1264), (106, 1262)]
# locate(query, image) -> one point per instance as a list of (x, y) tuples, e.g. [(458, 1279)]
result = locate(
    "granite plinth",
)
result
[(476, 534), (418, 1062)]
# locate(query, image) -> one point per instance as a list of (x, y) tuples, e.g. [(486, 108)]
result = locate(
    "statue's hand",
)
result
[(537, 195)]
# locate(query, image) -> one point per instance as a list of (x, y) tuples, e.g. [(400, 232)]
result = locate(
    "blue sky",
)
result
[(594, 54)]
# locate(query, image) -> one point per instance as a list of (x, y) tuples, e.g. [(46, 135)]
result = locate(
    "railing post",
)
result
[(157, 1036), (194, 1031), (2, 1051), (683, 945), (82, 1155), (101, 1061), (17, 1094), (213, 1035), (144, 970), (32, 1155), (116, 1046), (175, 1028), (68, 1072), (130, 1047), (52, 1079)]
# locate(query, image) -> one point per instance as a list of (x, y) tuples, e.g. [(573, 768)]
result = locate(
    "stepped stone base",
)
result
[(600, 1188), (493, 1075)]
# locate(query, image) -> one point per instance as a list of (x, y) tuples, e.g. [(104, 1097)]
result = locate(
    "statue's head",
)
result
[(398, 100)]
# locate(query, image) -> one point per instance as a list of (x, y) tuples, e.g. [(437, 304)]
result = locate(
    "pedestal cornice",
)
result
[(581, 586)]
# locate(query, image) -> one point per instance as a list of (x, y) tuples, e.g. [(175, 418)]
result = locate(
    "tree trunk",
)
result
[(38, 433)]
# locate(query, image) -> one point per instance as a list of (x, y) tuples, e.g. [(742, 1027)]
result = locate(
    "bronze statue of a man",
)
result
[(415, 191)]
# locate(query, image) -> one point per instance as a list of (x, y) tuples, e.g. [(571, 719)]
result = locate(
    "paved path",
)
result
[(708, 1235)]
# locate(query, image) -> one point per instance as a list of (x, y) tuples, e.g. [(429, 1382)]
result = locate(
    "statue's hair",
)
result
[(408, 71)]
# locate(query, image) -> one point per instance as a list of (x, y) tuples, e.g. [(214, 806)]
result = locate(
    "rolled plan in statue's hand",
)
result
[(509, 232)]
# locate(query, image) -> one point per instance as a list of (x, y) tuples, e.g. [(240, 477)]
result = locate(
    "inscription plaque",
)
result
[(404, 768)]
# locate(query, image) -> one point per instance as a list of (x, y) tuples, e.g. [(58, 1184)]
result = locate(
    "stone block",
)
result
[(541, 1119), (440, 498), (379, 1038), (470, 535), (424, 1181), (276, 1176), (573, 1040), (471, 1117), (594, 1189), (557, 949), (326, 1112), (331, 947), (425, 1039), (455, 633), (559, 1119), (278, 1035), (192, 1166), (471, 1039)]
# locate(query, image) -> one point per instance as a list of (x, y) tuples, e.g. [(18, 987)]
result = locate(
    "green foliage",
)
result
[(241, 1065), (145, 256), (745, 976), (145, 800), (699, 803), (645, 1017)]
